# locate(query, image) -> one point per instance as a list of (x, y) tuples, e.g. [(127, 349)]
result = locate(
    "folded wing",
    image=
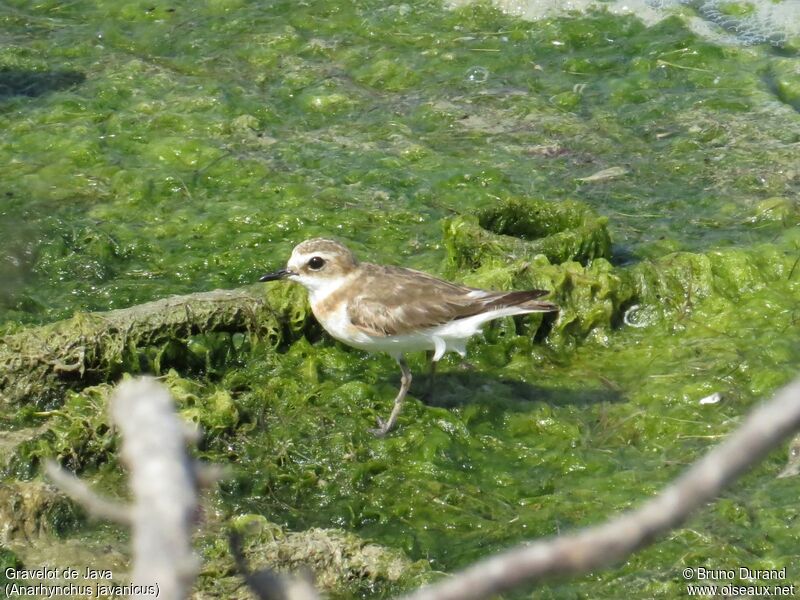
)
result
[(397, 301)]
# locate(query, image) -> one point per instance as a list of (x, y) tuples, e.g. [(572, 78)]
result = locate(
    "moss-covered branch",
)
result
[(37, 364)]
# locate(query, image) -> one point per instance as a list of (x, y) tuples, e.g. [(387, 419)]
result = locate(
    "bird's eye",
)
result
[(315, 263)]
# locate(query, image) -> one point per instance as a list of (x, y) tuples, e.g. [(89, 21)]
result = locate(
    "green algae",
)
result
[(146, 154), (451, 465), (597, 298), (78, 435), (8, 560), (785, 78), (523, 228), (199, 331), (341, 563), (155, 133), (30, 510)]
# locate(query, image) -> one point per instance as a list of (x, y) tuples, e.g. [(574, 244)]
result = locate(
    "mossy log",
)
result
[(39, 363)]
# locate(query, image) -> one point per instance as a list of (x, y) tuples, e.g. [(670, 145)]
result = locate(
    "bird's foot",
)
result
[(382, 429)]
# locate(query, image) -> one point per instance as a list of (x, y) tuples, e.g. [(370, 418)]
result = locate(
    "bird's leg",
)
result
[(431, 374), (405, 383)]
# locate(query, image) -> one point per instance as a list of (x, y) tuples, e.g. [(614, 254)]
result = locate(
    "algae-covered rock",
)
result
[(78, 435), (522, 228), (32, 509), (339, 561), (593, 295)]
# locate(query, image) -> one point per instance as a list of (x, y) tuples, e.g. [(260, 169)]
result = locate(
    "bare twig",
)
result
[(95, 505), (605, 544), (164, 487)]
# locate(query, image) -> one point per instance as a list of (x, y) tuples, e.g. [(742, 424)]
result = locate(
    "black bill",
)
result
[(276, 275)]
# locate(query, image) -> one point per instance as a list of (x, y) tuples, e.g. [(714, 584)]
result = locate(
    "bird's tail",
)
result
[(526, 301)]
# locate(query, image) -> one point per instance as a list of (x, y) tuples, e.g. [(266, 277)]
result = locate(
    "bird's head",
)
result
[(316, 264)]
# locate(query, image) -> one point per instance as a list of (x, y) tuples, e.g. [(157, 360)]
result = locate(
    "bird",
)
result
[(393, 309)]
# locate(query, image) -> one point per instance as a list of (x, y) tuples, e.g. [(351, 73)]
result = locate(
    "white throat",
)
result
[(319, 288)]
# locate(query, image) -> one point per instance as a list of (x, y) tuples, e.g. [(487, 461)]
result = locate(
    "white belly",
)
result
[(440, 339)]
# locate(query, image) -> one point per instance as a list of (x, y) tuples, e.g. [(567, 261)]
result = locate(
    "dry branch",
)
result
[(162, 480), (164, 486), (97, 506), (611, 542)]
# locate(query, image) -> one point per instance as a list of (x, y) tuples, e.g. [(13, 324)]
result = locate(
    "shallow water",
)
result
[(170, 150), (149, 149)]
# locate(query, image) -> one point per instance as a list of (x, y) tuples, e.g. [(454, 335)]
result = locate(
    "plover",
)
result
[(394, 309)]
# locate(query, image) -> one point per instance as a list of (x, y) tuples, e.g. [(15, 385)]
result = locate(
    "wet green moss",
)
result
[(144, 154), (8, 560), (32, 510), (342, 564), (522, 228)]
